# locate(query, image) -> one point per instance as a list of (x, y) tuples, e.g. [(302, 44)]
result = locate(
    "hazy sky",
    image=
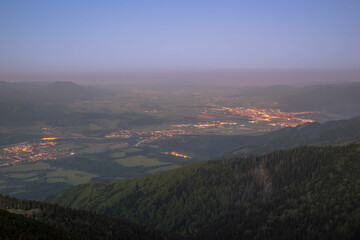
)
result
[(170, 35)]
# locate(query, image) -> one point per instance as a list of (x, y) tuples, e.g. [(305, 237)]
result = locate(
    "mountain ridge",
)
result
[(227, 198)]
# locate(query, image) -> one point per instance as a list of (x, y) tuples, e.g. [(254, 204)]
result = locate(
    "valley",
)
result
[(125, 133), (157, 151)]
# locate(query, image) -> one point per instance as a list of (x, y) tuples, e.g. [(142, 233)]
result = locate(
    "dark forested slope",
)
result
[(15, 226), (43, 219), (306, 192)]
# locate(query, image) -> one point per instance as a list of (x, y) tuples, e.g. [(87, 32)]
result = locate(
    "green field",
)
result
[(118, 155), (132, 150), (34, 179), (27, 167), (68, 146), (95, 149), (21, 175), (139, 160), (41, 171), (72, 177)]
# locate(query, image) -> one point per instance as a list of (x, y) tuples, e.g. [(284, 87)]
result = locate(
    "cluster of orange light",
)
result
[(48, 138), (154, 134), (19, 148), (266, 115), (22, 153), (181, 125), (205, 125), (176, 154), (47, 144), (151, 111)]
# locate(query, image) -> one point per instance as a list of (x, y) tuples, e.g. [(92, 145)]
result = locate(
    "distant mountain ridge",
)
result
[(338, 132), (55, 92), (338, 100)]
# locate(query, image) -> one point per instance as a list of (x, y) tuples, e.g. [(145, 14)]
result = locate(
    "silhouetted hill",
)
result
[(15, 115), (274, 91), (301, 193), (19, 115), (333, 132), (49, 221), (336, 100), (341, 99), (57, 92)]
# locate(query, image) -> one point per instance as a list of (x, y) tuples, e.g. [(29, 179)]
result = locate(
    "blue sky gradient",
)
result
[(126, 36)]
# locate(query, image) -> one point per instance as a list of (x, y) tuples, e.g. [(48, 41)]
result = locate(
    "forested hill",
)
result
[(25, 219), (300, 193)]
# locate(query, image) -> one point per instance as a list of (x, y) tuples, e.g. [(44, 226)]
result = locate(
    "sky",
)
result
[(111, 37)]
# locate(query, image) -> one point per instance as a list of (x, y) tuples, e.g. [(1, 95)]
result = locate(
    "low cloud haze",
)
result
[(202, 78)]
